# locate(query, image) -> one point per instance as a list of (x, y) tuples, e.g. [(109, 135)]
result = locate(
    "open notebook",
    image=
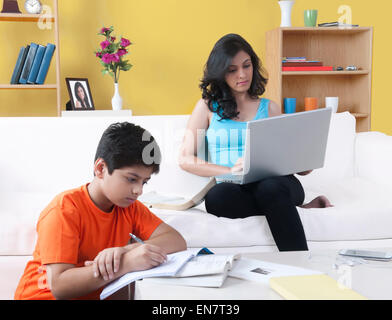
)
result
[(174, 263), (200, 271), (153, 199)]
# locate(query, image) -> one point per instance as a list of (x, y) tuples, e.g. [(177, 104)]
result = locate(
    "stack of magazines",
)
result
[(302, 64), (337, 24)]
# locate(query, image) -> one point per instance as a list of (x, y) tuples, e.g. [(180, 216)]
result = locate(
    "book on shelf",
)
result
[(302, 64), (174, 263), (153, 199), (36, 64), (28, 63), (46, 60), (337, 24), (294, 58), (19, 64), (316, 68)]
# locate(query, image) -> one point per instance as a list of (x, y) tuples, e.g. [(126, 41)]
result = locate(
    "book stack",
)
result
[(302, 64), (33, 64)]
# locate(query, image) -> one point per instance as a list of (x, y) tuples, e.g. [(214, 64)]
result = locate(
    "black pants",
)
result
[(276, 198)]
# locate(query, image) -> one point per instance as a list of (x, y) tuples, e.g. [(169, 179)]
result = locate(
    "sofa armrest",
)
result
[(373, 157)]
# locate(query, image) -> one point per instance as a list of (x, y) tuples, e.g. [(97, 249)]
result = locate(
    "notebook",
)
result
[(202, 271), (313, 287), (174, 263)]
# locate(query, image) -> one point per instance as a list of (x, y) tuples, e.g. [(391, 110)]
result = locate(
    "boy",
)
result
[(83, 233)]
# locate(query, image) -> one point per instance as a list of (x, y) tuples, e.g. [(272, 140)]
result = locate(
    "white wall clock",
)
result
[(33, 6)]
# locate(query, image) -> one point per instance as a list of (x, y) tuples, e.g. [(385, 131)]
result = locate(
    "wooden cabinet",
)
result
[(334, 47), (22, 17)]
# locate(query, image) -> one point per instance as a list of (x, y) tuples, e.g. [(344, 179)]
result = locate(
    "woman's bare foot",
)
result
[(319, 202)]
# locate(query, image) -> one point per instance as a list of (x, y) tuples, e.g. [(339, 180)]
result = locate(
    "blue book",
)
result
[(28, 63), (19, 64), (36, 64), (43, 70)]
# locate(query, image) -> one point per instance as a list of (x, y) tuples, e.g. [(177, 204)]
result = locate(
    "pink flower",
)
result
[(105, 44), (125, 42), (98, 54), (104, 30), (122, 52), (107, 58), (112, 39), (115, 57)]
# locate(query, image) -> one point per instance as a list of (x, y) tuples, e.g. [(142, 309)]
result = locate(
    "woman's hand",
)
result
[(238, 167), (304, 173)]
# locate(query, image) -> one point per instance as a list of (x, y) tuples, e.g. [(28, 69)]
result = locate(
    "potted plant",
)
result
[(112, 57)]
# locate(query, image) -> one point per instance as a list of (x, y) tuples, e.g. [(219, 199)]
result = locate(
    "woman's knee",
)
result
[(272, 188), (220, 197)]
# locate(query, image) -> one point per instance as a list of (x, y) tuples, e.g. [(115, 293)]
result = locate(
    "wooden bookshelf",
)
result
[(334, 47), (28, 86), (24, 17)]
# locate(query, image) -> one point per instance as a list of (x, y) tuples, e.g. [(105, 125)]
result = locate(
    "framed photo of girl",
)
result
[(80, 94)]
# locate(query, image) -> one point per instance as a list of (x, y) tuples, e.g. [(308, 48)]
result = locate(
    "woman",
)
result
[(233, 81), (81, 97)]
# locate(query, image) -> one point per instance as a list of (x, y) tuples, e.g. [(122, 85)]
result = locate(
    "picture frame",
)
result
[(79, 94)]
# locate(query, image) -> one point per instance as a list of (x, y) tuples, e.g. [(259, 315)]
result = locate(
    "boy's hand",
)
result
[(142, 257), (107, 262), (146, 256)]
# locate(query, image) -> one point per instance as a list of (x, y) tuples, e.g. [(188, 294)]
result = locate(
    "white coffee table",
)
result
[(371, 279)]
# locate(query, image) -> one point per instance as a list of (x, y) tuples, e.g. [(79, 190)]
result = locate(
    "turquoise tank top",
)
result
[(226, 137)]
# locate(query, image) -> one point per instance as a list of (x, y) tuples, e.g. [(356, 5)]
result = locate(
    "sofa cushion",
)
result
[(373, 157), (351, 218), (11, 270), (339, 157), (19, 212)]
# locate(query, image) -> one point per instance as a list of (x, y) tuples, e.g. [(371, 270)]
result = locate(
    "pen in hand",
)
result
[(136, 238)]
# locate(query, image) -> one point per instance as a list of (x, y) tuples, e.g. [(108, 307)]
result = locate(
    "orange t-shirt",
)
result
[(71, 229)]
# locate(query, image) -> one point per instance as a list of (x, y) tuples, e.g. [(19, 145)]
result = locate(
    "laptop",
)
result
[(283, 145)]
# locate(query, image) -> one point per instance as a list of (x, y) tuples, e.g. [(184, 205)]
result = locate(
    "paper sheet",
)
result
[(174, 263), (261, 271)]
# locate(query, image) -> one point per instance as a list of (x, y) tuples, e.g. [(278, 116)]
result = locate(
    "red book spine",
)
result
[(326, 68)]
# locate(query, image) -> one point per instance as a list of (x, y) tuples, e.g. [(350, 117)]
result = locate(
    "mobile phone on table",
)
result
[(371, 255)]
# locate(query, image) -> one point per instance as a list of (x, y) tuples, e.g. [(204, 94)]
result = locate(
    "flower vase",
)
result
[(285, 8), (116, 100)]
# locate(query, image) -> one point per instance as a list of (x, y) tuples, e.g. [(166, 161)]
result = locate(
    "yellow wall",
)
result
[(172, 40)]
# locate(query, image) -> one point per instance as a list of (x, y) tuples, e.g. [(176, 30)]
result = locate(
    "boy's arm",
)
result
[(69, 282), (168, 238)]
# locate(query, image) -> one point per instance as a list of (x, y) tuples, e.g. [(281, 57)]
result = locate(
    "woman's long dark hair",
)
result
[(213, 85)]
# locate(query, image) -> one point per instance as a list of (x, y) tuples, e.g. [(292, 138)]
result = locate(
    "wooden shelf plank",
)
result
[(28, 86), (27, 17), (327, 73), (326, 29)]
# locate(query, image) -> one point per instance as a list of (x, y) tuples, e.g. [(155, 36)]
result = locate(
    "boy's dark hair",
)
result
[(126, 144)]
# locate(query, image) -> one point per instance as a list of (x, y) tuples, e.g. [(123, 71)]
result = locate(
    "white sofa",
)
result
[(41, 157)]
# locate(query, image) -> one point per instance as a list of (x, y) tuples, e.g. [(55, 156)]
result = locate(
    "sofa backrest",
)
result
[(50, 155), (41, 157)]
